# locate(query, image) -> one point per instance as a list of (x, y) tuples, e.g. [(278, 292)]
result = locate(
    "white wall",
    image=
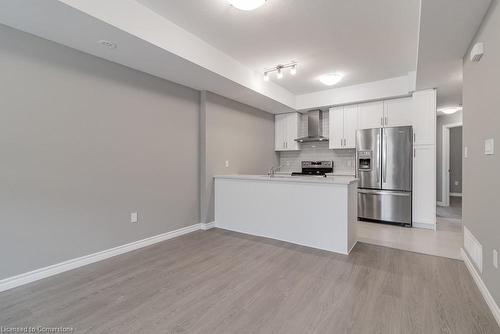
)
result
[(482, 121)]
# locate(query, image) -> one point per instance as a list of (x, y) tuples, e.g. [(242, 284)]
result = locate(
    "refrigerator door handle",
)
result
[(384, 159), (378, 165)]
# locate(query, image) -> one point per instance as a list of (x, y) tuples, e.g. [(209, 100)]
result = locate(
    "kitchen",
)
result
[(385, 148), (249, 166)]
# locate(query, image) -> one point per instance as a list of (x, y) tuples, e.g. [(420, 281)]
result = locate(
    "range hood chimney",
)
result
[(314, 127)]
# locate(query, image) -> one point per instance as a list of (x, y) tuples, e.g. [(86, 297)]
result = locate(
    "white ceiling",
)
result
[(366, 40), (447, 27)]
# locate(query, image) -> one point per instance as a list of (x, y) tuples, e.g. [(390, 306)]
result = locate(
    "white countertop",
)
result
[(287, 178)]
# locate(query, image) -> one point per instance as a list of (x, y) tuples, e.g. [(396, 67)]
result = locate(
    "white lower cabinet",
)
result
[(424, 186), (286, 130)]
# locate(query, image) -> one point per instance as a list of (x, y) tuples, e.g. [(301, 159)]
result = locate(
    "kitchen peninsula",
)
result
[(318, 212)]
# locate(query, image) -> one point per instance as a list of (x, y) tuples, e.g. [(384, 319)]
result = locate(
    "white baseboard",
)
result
[(427, 226), (35, 275), (482, 287), (207, 226), (456, 194), (440, 203)]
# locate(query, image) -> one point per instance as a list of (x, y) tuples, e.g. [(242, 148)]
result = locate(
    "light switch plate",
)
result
[(134, 217), (495, 258), (489, 146)]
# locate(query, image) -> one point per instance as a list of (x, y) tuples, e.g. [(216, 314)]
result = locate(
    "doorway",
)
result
[(451, 196)]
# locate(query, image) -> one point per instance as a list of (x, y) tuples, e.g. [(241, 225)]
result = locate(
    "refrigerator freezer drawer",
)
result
[(390, 206)]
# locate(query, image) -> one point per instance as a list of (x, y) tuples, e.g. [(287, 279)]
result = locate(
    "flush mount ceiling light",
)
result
[(330, 79), (450, 110), (247, 4), (279, 70)]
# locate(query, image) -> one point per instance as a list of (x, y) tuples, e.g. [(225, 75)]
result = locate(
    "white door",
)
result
[(336, 122), (279, 132), (398, 112), (371, 115), (292, 131), (424, 117), (350, 126), (424, 185)]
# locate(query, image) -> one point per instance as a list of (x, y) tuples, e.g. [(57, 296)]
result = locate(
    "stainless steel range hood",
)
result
[(314, 127)]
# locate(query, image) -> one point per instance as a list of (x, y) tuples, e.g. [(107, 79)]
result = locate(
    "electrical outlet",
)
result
[(495, 258), (466, 152), (134, 217), (457, 183), (227, 164)]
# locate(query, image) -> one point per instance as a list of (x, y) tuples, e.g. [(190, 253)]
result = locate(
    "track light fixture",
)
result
[(279, 70)]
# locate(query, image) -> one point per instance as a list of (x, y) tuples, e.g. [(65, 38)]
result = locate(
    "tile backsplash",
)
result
[(343, 160)]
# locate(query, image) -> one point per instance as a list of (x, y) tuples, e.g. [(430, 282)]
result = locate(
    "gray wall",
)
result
[(83, 143), (456, 160), (237, 133), (442, 120), (482, 121)]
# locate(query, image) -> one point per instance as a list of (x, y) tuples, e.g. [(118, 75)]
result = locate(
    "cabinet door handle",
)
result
[(414, 137), (414, 153), (382, 121), (386, 122)]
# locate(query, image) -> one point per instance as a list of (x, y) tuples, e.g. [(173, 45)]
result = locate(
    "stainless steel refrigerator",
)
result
[(384, 168)]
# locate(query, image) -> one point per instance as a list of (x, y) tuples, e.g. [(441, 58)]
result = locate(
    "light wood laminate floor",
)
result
[(222, 282)]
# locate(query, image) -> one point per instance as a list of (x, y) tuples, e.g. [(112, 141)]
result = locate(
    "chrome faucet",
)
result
[(273, 171)]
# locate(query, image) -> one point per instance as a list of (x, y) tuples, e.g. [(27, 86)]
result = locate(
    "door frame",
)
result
[(445, 164)]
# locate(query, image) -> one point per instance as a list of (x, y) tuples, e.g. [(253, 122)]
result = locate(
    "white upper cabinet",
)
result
[(398, 112), (371, 115), (424, 117), (286, 130), (350, 125), (336, 127), (343, 126)]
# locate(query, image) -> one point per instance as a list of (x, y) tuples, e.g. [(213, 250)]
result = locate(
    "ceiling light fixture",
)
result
[(331, 79), (247, 4), (279, 70), (450, 110), (280, 74)]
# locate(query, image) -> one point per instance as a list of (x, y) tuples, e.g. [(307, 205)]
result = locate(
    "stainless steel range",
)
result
[(315, 168)]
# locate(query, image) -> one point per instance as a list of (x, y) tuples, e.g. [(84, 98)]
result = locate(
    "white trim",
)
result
[(35, 275), (440, 203), (427, 226), (207, 226), (495, 310), (349, 251), (445, 162), (456, 194)]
